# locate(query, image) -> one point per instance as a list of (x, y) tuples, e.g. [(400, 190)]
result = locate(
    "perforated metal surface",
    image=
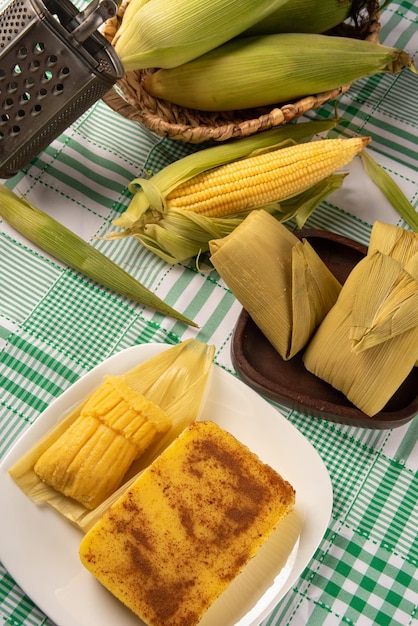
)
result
[(47, 80)]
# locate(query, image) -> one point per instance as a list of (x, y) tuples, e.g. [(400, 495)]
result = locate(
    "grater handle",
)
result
[(89, 20)]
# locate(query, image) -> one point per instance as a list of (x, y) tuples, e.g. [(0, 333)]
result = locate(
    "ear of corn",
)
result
[(66, 246), (256, 71), (163, 33), (191, 165), (115, 432), (368, 343), (304, 16), (179, 235), (178, 231), (282, 283), (265, 178)]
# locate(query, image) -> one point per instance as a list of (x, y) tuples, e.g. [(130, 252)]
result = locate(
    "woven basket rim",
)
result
[(132, 101)]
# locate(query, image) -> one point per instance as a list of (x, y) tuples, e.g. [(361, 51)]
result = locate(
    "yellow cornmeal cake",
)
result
[(188, 525), (89, 460)]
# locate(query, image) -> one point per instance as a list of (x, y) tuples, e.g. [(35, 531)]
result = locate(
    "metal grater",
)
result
[(54, 65)]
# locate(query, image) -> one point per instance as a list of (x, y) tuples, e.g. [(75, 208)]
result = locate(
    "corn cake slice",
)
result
[(187, 526)]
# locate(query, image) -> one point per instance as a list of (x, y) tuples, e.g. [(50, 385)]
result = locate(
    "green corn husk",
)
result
[(368, 343), (391, 190), (280, 281), (264, 70), (177, 235), (163, 33), (66, 246), (305, 16), (316, 16), (175, 379)]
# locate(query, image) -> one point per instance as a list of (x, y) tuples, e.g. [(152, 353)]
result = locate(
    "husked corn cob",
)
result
[(90, 459), (268, 69), (263, 179), (163, 33), (305, 16)]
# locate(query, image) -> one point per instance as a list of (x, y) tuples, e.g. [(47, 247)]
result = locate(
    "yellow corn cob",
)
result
[(281, 281), (256, 71), (304, 16), (163, 33), (90, 459), (176, 235), (265, 178)]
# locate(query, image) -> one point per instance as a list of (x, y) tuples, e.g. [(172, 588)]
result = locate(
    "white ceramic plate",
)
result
[(40, 549)]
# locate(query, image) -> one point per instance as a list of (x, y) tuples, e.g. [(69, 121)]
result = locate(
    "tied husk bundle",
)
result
[(171, 384), (368, 343), (280, 280)]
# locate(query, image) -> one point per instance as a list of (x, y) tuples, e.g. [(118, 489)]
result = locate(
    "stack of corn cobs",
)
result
[(233, 55)]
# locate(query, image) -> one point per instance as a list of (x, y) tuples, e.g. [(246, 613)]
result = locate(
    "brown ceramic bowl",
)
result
[(289, 383)]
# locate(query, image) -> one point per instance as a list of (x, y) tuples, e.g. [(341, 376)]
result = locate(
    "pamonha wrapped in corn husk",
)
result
[(368, 343), (93, 454), (279, 279)]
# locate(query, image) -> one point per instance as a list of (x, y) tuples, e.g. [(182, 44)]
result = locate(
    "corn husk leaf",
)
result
[(391, 190), (396, 242), (386, 302), (66, 246), (314, 291), (301, 207), (175, 379), (279, 280)]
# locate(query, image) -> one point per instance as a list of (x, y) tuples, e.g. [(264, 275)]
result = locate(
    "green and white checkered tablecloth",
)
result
[(55, 326)]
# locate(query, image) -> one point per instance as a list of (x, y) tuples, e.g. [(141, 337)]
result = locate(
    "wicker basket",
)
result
[(189, 125)]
